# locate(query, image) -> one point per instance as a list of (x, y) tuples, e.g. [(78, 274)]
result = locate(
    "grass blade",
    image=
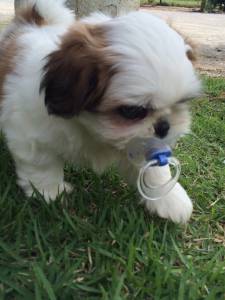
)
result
[(44, 281)]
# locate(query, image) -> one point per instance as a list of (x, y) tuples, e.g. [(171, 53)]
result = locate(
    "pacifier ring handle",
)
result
[(160, 190), (174, 162)]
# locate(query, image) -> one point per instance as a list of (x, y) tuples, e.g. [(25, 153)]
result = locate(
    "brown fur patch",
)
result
[(78, 74), (191, 53), (30, 15), (8, 50)]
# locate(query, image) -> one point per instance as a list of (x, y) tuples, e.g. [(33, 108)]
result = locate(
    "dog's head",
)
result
[(127, 77)]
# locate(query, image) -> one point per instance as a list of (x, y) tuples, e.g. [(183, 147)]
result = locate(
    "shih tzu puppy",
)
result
[(81, 90)]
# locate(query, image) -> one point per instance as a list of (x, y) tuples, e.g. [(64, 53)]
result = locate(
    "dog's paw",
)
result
[(176, 206), (51, 192)]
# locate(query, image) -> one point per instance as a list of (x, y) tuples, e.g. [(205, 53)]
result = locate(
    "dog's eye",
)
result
[(132, 112)]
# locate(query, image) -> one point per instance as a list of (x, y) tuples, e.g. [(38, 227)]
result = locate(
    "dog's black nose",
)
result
[(161, 128)]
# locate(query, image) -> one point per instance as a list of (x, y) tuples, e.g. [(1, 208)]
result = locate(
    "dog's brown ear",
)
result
[(191, 53), (77, 75)]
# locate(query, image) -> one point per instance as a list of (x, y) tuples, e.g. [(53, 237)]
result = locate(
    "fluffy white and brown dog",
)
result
[(80, 90)]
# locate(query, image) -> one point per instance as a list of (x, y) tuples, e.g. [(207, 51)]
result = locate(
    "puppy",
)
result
[(80, 91)]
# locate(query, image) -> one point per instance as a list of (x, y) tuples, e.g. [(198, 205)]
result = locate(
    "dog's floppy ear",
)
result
[(191, 52), (77, 75), (191, 49)]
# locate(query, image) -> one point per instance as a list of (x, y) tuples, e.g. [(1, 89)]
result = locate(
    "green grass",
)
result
[(4, 23), (100, 244), (179, 3)]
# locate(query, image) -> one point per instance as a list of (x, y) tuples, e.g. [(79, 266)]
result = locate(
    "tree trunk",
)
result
[(203, 5), (85, 7), (111, 7)]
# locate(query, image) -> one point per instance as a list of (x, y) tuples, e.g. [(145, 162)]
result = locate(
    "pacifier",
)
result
[(151, 153)]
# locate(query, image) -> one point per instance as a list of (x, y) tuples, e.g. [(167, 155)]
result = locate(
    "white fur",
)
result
[(40, 144), (147, 71)]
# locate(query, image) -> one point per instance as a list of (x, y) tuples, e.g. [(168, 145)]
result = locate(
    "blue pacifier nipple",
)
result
[(150, 153)]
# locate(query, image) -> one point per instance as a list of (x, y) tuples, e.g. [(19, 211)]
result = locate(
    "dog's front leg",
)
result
[(40, 169)]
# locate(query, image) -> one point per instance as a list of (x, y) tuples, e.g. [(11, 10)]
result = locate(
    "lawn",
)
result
[(100, 244), (179, 3)]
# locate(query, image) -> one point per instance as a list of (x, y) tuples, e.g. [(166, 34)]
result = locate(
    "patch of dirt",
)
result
[(6, 11), (207, 31)]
